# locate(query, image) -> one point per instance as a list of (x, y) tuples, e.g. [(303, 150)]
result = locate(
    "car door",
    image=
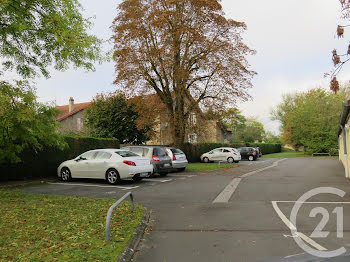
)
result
[(217, 155), (98, 165), (82, 164), (226, 153), (244, 153)]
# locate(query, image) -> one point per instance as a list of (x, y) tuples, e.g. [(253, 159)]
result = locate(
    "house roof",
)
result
[(64, 110), (344, 116), (226, 130)]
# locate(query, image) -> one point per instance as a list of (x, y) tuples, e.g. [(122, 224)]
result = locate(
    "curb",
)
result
[(129, 249)]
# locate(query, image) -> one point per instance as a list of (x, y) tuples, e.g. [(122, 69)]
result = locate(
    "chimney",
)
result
[(71, 104)]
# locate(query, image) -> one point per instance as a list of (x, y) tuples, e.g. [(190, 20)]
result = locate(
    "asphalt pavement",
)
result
[(248, 225)]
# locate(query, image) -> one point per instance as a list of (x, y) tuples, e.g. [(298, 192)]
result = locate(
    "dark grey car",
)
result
[(158, 156)]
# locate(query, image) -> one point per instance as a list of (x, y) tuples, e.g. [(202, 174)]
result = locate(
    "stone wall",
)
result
[(73, 125)]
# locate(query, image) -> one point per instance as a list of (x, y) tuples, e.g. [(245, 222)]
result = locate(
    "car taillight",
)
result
[(155, 158), (254, 152), (174, 157), (129, 163), (234, 153)]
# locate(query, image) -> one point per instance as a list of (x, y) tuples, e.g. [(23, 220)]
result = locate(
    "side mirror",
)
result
[(80, 158)]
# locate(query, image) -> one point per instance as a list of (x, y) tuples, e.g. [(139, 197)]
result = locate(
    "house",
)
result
[(71, 118), (199, 129), (151, 110), (344, 137)]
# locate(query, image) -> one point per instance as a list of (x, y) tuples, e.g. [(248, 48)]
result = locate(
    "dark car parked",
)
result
[(158, 156), (258, 151), (249, 153)]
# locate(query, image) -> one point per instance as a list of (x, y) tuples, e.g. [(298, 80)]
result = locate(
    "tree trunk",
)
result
[(178, 125)]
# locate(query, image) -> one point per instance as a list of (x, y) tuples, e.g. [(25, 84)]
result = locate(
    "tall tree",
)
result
[(310, 119), (25, 123), (112, 116), (35, 34), (186, 51)]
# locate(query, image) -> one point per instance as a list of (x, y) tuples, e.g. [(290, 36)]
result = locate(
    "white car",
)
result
[(112, 165), (228, 154)]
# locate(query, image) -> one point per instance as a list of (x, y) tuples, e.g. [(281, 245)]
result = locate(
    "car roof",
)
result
[(146, 146), (110, 150)]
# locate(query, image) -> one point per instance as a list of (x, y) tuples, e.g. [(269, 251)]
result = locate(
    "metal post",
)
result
[(110, 211)]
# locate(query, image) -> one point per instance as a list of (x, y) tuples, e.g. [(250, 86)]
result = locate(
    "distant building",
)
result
[(199, 129), (71, 118)]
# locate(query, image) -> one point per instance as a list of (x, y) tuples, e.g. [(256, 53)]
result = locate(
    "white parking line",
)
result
[(156, 180), (182, 175), (92, 185), (312, 202), (226, 194), (274, 164), (292, 227)]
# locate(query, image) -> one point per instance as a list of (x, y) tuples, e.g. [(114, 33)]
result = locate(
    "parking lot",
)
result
[(100, 188), (187, 224)]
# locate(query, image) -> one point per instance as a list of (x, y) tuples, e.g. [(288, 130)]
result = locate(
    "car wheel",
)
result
[(65, 174), (206, 160), (230, 160), (112, 176), (137, 178), (250, 158), (181, 169), (163, 174)]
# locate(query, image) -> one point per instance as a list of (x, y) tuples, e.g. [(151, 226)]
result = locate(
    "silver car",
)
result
[(179, 160)]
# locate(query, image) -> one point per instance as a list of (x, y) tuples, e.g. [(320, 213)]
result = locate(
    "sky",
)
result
[(293, 39)]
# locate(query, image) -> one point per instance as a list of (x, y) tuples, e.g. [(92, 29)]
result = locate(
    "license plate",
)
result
[(144, 175), (166, 165)]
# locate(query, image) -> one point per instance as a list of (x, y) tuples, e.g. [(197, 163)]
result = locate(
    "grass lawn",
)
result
[(56, 228), (287, 154), (208, 166)]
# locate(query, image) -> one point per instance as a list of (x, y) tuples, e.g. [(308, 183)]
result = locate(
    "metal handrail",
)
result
[(110, 210)]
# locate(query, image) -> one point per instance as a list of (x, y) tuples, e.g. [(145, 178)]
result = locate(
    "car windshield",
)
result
[(176, 151), (126, 153)]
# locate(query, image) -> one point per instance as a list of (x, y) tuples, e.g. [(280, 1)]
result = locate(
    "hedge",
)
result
[(194, 151), (44, 164)]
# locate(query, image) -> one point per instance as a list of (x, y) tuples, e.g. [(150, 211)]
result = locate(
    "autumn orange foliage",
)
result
[(186, 51)]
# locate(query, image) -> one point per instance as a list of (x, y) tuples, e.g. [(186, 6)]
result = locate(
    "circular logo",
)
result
[(299, 239)]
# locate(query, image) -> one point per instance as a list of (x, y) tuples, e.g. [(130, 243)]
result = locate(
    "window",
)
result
[(192, 138), (176, 151), (158, 151), (137, 150), (226, 151), (126, 153), (79, 124), (217, 150), (88, 155), (145, 151), (103, 155), (193, 119)]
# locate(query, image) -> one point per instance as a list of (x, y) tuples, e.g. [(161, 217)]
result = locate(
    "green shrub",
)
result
[(44, 163), (194, 151)]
